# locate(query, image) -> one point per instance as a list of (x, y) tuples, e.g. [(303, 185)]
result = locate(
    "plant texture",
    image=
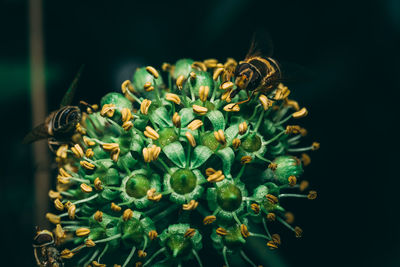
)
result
[(166, 169)]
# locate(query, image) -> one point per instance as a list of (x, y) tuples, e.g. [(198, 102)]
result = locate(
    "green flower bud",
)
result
[(182, 67), (287, 166)]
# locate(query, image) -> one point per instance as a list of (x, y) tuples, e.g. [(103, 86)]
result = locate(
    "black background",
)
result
[(351, 46)]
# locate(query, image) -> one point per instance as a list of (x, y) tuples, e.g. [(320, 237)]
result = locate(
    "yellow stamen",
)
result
[(210, 63), (236, 143), (96, 264), (88, 142), (144, 107), (115, 154), (190, 138), (289, 217), (176, 120), (179, 82), (62, 151), (305, 158), (166, 66), (146, 154), (216, 177), (265, 102), (210, 171), (199, 66), (195, 124), (127, 125), (276, 239), (87, 165), (89, 153), (227, 96), (153, 234), (273, 166), (110, 146), (53, 218), (282, 92), (127, 215), (108, 109), (292, 104), (97, 184), (271, 217), (173, 98), (142, 254), (151, 133), (192, 75), (217, 73), (59, 206), (66, 254), (221, 231), (79, 128), (147, 85), (155, 152), (54, 194), (127, 85), (59, 231), (255, 207), (89, 243), (246, 159), (203, 92), (245, 232), (98, 216), (199, 110), (126, 114), (209, 219), (153, 195), (63, 173), (298, 232), (272, 199), (300, 114), (315, 146), (227, 85), (82, 232), (233, 107), (312, 195), (192, 205), (303, 185), (220, 136), (152, 71), (115, 207), (71, 212), (292, 129), (292, 180), (242, 128), (271, 245), (86, 188), (189, 232)]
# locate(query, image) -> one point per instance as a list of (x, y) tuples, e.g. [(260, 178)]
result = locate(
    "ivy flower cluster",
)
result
[(154, 169)]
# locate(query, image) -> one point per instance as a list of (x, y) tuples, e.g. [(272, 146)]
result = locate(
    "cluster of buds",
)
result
[(145, 160)]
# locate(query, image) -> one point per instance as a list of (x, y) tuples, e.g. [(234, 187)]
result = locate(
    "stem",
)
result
[(284, 120), (85, 199), (92, 258), (108, 239), (164, 165), (102, 253), (236, 218), (189, 148), (292, 195), (225, 258), (262, 158), (165, 213), (275, 137), (259, 121), (197, 257), (129, 257), (240, 173), (247, 259), (302, 149), (153, 256), (266, 228)]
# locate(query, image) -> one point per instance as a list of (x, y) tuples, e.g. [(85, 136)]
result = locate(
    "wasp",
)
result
[(256, 73), (61, 124), (45, 251)]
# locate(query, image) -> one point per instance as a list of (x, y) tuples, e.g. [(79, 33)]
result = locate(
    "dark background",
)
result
[(351, 46)]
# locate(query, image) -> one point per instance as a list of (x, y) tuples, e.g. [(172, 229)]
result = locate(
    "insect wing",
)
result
[(261, 45), (38, 133), (69, 95)]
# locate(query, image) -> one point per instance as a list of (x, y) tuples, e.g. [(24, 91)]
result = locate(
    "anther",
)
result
[(236, 143), (107, 109), (211, 62), (209, 219), (189, 233), (195, 124), (97, 264), (59, 231), (86, 188), (315, 146), (66, 254), (153, 234), (271, 198), (153, 195), (98, 184), (272, 166), (173, 98), (89, 153), (82, 232), (217, 73), (221, 231), (210, 171), (142, 254), (216, 177), (166, 66), (199, 110), (127, 125), (271, 217), (199, 66), (289, 217), (98, 216), (62, 151), (152, 71), (110, 146), (176, 120), (151, 133), (190, 138), (71, 211), (298, 232), (192, 205), (271, 245), (303, 185), (220, 136), (203, 92), (179, 82), (148, 87), (127, 85), (232, 107), (300, 114), (255, 207), (126, 114), (244, 231), (88, 142), (54, 194), (127, 215), (53, 218), (87, 165), (192, 75), (115, 207), (144, 107), (292, 103), (312, 195), (58, 205), (78, 151), (242, 128), (226, 85), (89, 243), (292, 180), (265, 102), (246, 160)]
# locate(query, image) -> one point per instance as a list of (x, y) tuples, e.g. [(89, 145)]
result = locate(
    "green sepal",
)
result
[(120, 102), (108, 194), (227, 157), (126, 162), (182, 67), (115, 243), (140, 77), (132, 232), (217, 119), (187, 116), (176, 154), (200, 155), (161, 117)]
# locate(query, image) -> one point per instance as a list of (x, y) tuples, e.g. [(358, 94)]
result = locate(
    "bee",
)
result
[(61, 124), (256, 73), (45, 251)]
